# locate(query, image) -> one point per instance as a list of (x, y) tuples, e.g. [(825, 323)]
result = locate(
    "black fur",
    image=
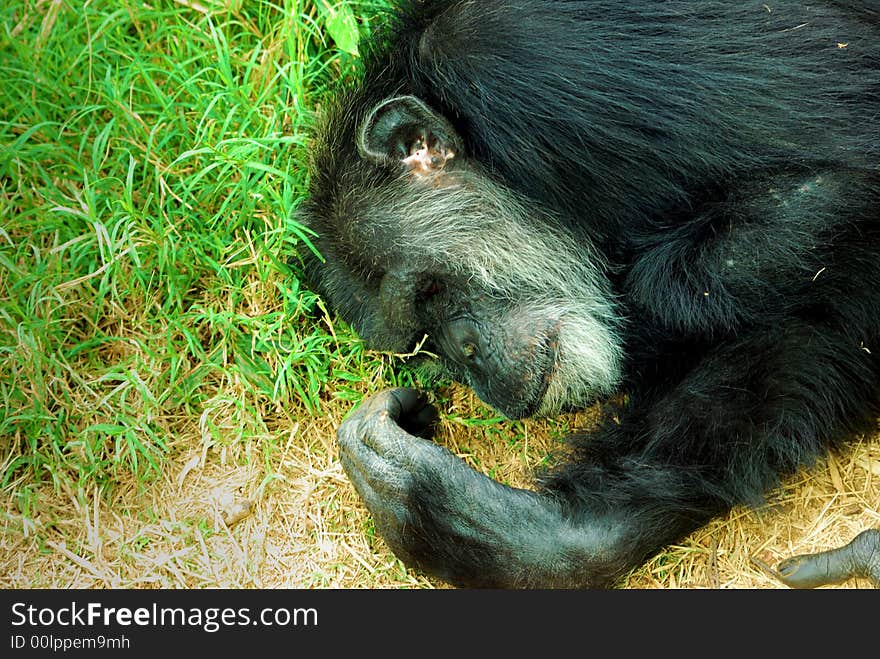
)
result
[(720, 161)]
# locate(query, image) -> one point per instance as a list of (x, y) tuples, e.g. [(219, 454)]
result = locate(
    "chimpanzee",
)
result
[(672, 203)]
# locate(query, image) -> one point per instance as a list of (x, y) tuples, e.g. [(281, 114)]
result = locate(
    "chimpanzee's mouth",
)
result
[(521, 396)]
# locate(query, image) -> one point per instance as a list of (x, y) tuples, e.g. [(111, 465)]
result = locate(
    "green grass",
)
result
[(150, 157)]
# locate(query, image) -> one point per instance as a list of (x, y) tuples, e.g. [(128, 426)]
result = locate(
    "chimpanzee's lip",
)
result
[(551, 349), (547, 349)]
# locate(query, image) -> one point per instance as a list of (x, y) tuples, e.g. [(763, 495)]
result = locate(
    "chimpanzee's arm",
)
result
[(752, 410), (448, 520)]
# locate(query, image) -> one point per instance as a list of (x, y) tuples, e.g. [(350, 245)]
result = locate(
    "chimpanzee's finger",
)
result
[(417, 415), (377, 481), (408, 408), (859, 558)]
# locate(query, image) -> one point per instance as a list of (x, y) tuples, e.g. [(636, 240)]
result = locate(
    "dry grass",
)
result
[(306, 528)]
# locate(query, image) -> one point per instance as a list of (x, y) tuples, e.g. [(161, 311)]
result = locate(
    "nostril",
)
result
[(463, 340)]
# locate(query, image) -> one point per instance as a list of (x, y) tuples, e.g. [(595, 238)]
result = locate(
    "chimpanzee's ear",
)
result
[(403, 129)]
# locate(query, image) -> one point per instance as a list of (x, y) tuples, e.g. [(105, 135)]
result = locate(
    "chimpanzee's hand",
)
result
[(442, 517)]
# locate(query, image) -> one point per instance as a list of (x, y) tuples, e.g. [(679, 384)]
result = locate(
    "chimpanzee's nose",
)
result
[(462, 341)]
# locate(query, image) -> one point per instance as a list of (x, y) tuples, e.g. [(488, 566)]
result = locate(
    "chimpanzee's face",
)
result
[(418, 242)]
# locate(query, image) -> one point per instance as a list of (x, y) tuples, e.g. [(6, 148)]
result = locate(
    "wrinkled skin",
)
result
[(470, 520), (860, 558)]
